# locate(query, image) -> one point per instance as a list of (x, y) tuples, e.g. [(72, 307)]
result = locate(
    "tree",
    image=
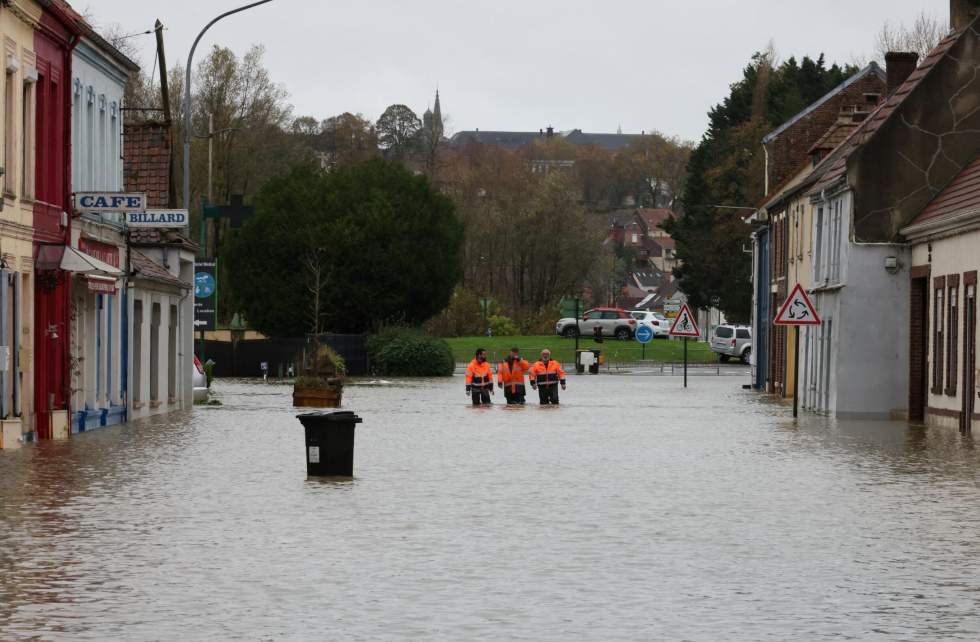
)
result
[(347, 139), (398, 130), (920, 37), (344, 251)]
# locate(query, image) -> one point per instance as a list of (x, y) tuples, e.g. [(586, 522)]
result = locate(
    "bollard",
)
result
[(329, 442)]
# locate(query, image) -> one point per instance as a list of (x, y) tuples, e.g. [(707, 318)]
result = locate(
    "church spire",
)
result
[(437, 117)]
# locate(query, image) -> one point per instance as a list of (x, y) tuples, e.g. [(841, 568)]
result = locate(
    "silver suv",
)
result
[(732, 341)]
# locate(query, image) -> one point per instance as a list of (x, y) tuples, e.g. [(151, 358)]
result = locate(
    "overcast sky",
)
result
[(518, 64)]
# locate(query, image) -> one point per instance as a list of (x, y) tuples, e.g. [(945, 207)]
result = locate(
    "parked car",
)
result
[(200, 382), (615, 322), (732, 341), (655, 320)]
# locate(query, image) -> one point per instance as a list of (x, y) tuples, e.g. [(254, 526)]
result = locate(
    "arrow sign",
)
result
[(797, 310), (685, 325), (644, 334)]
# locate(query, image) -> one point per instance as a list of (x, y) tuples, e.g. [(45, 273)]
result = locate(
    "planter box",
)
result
[(318, 397)]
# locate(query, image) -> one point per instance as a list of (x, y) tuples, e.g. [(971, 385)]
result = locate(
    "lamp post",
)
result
[(187, 100)]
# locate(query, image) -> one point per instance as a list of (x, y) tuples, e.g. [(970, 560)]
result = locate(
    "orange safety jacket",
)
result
[(512, 376), (547, 375), (479, 376)]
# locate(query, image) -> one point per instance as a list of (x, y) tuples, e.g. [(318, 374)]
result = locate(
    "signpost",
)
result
[(797, 311), (685, 326), (644, 334), (205, 298)]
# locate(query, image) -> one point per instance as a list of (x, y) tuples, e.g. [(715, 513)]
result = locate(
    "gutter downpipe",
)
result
[(765, 151)]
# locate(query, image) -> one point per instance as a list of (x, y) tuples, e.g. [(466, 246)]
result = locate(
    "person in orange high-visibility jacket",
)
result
[(479, 378), (510, 377), (546, 375)]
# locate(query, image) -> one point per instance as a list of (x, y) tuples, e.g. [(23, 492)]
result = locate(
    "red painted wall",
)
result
[(53, 43)]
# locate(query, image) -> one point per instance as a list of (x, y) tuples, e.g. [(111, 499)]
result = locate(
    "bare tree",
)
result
[(920, 37)]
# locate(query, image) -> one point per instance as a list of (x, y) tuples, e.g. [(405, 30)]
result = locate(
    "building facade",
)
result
[(18, 21), (99, 294)]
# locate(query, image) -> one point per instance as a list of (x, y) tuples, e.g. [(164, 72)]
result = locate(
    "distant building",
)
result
[(516, 140)]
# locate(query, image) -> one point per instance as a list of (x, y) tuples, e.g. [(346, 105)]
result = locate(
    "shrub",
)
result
[(502, 326), (461, 318), (406, 352)]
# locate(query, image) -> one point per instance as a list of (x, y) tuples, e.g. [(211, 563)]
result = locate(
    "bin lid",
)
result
[(345, 416)]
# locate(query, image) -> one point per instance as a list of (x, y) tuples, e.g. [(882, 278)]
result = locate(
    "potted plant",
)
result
[(320, 383)]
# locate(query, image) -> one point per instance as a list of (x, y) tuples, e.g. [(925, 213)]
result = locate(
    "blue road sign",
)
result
[(644, 334)]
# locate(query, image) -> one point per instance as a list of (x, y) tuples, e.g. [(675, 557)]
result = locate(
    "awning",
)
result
[(79, 262)]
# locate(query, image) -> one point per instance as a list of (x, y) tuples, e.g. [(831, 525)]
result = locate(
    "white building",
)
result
[(98, 292)]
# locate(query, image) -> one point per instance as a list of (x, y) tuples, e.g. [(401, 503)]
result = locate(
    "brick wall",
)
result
[(788, 153), (146, 161)]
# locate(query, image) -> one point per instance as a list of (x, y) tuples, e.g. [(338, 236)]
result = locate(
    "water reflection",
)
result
[(636, 510)]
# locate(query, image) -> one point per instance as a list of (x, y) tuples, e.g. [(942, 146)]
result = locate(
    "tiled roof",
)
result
[(961, 195), (836, 135), (653, 217), (867, 129), (153, 236), (145, 267)]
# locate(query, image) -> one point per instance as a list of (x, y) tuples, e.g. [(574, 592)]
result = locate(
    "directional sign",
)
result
[(644, 334), (685, 325), (797, 310)]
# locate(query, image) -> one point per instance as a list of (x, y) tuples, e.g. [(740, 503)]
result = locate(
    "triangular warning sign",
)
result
[(797, 310), (685, 325)]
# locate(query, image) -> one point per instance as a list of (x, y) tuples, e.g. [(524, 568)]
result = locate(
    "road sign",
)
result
[(685, 325), (644, 334), (797, 310)]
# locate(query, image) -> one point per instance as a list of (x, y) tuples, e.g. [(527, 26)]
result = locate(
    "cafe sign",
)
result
[(110, 202), (157, 218)]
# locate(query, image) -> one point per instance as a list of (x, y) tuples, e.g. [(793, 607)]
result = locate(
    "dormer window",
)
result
[(872, 99)]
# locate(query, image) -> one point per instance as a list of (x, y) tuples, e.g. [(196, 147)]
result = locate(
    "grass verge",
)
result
[(659, 350)]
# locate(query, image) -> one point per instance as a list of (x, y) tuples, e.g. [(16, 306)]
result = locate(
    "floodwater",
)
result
[(635, 511)]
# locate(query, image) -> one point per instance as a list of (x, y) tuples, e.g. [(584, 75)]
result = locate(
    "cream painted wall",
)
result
[(952, 255), (17, 23)]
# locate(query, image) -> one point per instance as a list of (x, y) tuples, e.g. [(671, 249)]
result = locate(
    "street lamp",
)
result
[(187, 100)]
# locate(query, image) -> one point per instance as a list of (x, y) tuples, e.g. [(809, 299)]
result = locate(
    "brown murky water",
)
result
[(635, 511)]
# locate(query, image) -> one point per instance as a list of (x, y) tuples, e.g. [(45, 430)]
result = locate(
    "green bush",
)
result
[(406, 352), (502, 326)]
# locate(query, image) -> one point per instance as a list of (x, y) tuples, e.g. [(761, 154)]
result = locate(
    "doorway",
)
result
[(919, 345), (969, 354)]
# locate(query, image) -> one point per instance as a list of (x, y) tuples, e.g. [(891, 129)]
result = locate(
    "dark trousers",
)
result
[(480, 397), (514, 395), (548, 394)]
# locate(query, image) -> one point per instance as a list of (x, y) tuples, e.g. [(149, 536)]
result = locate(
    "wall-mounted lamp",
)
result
[(892, 265), (52, 331)]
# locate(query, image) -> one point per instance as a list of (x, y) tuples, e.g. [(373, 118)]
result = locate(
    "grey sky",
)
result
[(505, 64)]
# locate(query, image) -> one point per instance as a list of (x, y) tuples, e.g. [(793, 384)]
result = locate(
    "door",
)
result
[(969, 358), (919, 348)]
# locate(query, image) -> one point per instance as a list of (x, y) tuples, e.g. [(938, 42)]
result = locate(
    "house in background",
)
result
[(781, 254)]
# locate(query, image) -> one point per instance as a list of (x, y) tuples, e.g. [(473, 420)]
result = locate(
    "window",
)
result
[(952, 343), (742, 333), (610, 314), (9, 135), (27, 138), (818, 271), (592, 315), (638, 315), (835, 241), (723, 332), (938, 313)]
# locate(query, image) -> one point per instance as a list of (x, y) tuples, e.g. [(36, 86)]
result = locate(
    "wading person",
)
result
[(510, 377), (546, 375), (479, 378)]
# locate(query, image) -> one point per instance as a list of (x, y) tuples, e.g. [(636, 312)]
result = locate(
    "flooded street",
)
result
[(635, 511)]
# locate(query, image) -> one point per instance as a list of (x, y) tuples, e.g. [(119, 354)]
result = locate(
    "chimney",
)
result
[(962, 13), (899, 65)]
